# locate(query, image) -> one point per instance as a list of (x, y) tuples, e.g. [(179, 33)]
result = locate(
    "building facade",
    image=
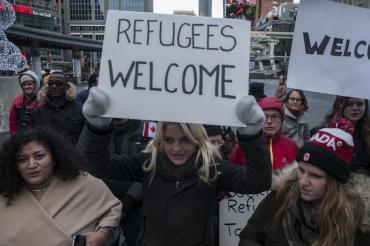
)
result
[(265, 6), (86, 19), (359, 3), (42, 15)]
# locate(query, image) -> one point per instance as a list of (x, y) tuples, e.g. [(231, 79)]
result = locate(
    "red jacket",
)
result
[(17, 104), (282, 151)]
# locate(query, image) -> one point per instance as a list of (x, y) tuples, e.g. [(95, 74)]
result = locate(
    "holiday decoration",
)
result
[(11, 58), (243, 9)]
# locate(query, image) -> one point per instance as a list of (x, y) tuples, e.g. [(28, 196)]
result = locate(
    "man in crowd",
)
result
[(282, 150), (60, 111)]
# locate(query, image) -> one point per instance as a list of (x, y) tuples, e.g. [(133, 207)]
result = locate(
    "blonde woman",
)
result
[(316, 204), (180, 170)]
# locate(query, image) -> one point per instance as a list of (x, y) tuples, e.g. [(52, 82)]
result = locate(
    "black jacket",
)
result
[(67, 119), (177, 212)]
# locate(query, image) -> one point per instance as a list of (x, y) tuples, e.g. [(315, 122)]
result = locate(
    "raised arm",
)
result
[(256, 176), (95, 141)]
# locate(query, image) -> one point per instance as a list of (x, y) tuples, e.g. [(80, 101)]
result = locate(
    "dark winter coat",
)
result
[(260, 232), (66, 119), (177, 211)]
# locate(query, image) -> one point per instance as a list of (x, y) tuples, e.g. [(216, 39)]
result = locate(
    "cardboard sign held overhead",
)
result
[(175, 68), (331, 49)]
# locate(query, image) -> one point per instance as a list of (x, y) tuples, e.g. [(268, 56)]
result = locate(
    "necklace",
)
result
[(40, 189)]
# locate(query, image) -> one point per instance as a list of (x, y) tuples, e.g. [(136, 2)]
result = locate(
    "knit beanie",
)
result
[(330, 149), (213, 130), (272, 103), (25, 78)]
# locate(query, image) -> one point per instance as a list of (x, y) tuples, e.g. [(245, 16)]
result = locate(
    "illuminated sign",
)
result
[(41, 13), (22, 9)]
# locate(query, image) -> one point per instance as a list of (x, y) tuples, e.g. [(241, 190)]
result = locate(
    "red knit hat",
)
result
[(330, 149), (272, 103)]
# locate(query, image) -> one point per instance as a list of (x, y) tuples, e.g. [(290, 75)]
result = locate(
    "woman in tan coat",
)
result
[(46, 200)]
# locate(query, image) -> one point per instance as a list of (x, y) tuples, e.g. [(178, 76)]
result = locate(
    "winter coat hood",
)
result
[(70, 95), (360, 182), (34, 76)]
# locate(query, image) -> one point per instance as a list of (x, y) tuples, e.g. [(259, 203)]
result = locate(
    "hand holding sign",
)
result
[(250, 114), (96, 105)]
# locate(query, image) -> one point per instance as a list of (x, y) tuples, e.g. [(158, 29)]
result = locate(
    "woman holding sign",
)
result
[(180, 170), (316, 204)]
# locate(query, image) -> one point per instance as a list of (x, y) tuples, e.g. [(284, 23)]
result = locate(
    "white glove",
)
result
[(96, 105), (250, 114)]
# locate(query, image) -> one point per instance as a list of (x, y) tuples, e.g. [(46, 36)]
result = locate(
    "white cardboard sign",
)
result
[(235, 212), (331, 49), (175, 68)]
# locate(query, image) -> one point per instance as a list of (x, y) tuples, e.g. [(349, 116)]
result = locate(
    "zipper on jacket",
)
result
[(177, 184)]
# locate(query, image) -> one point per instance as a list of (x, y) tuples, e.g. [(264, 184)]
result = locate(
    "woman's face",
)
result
[(35, 165), (312, 182), (354, 110), (176, 145), (28, 88), (295, 102)]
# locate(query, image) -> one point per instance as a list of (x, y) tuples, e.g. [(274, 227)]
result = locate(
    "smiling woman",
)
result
[(41, 184), (181, 171)]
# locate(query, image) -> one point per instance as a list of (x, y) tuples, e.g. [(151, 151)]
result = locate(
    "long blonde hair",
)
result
[(197, 135), (335, 217)]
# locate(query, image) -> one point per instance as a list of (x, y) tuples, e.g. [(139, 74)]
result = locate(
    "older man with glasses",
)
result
[(60, 111), (282, 150)]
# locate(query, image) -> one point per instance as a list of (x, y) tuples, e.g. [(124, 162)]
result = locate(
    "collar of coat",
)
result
[(360, 182)]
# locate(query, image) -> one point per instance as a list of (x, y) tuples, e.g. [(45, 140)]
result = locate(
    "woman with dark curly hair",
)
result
[(295, 124), (45, 198)]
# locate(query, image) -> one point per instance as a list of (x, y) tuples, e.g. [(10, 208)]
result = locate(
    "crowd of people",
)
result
[(68, 172)]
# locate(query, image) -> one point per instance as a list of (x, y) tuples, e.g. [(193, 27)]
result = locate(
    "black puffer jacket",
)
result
[(67, 119), (177, 211)]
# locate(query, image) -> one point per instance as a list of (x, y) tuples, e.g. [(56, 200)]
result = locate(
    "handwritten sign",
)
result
[(175, 68), (328, 54), (235, 212)]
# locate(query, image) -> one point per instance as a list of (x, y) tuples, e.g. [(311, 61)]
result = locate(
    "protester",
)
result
[(257, 89), (44, 197), (282, 150), (92, 81), (45, 76), (21, 109), (60, 111), (178, 170), (356, 111), (215, 134), (295, 124), (316, 204), (280, 92), (128, 139)]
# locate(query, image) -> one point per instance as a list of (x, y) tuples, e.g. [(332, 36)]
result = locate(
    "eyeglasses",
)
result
[(273, 117), (295, 99), (56, 82), (217, 142)]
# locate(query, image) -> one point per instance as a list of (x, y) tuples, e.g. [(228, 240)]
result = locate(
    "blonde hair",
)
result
[(196, 135), (335, 217)]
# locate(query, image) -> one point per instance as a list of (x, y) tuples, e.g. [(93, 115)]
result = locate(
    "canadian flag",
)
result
[(149, 129)]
